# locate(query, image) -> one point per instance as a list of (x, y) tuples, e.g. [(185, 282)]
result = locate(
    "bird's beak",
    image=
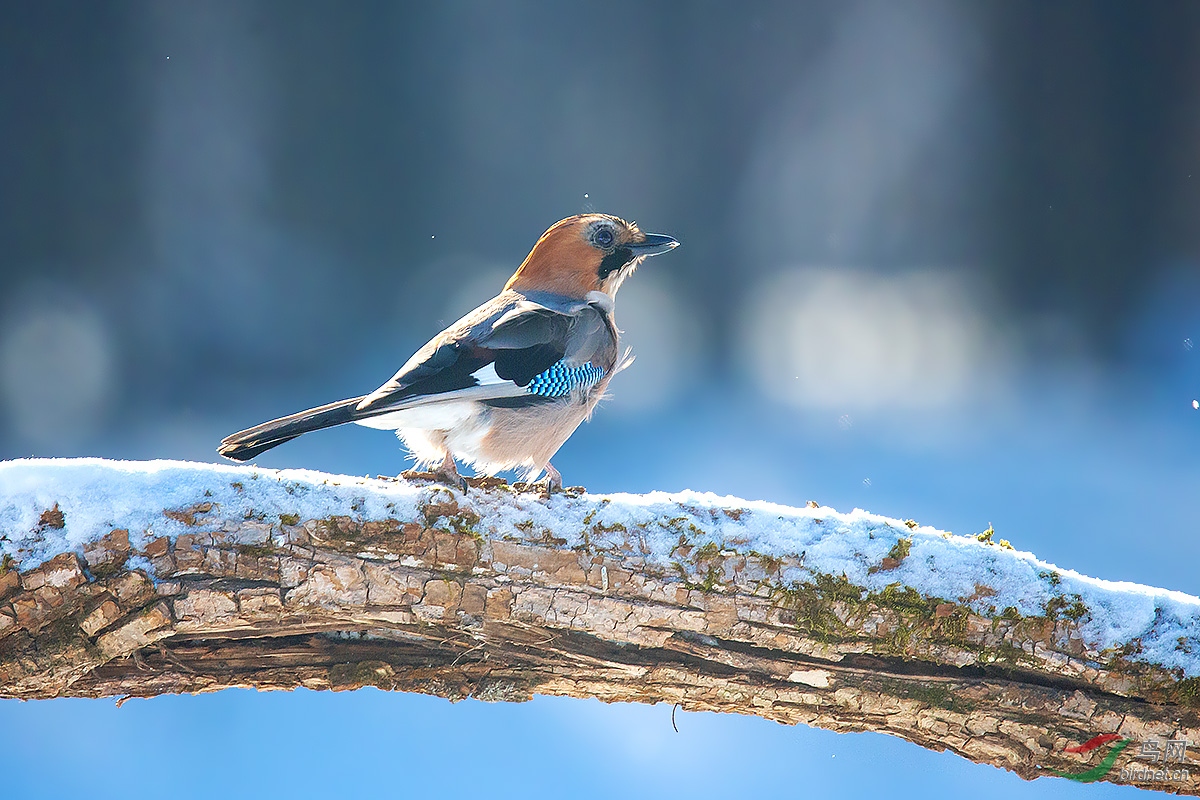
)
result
[(652, 245)]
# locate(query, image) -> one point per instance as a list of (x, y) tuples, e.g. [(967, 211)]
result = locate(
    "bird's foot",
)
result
[(453, 480), (551, 482), (446, 473)]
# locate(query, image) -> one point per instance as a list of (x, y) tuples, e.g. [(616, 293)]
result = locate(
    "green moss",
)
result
[(466, 522), (899, 641), (680, 524), (1053, 607), (463, 525), (707, 563), (906, 599), (585, 543), (901, 548), (1076, 610), (1187, 692), (255, 550), (987, 535), (1008, 654), (1072, 608), (289, 519), (710, 581), (339, 529), (953, 628), (919, 617), (812, 604), (1131, 648), (457, 520), (597, 530), (916, 617), (1006, 544), (6, 563), (1053, 578), (820, 604), (930, 695), (769, 564)]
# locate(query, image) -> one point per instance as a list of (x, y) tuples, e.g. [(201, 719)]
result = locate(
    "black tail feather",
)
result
[(245, 445)]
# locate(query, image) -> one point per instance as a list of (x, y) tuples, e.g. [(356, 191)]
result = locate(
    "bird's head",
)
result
[(587, 253)]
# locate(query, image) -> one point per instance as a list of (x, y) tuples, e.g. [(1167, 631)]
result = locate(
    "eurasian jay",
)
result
[(505, 386)]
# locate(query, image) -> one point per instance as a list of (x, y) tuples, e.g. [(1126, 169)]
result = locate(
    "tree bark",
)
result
[(444, 603)]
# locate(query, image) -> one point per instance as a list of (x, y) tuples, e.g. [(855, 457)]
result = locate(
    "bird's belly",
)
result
[(527, 437), (491, 439)]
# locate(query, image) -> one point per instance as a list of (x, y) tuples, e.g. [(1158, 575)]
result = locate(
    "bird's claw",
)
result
[(446, 473), (453, 480), (551, 482)]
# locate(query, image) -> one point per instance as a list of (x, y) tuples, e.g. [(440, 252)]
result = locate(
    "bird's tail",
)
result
[(245, 445)]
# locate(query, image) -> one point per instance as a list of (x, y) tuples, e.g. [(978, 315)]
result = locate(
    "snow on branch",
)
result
[(139, 579)]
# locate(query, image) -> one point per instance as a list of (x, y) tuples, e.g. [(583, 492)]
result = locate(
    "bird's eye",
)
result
[(604, 237)]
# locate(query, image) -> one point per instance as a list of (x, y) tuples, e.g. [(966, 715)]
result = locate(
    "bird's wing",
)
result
[(493, 352)]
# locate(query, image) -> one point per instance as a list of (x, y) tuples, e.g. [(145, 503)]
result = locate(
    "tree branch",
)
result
[(145, 579)]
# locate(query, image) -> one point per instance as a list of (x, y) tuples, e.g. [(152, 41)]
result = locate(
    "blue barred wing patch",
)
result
[(561, 379)]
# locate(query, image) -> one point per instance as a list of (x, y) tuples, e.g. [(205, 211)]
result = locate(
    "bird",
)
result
[(504, 387)]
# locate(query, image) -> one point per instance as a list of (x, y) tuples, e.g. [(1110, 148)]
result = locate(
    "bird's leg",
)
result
[(448, 473), (552, 480)]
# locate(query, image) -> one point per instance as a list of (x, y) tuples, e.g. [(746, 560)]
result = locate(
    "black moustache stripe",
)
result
[(614, 261)]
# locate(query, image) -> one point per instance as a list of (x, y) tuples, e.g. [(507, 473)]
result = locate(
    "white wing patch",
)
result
[(487, 376)]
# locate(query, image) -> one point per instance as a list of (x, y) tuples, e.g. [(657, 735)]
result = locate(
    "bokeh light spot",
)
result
[(56, 373), (836, 339)]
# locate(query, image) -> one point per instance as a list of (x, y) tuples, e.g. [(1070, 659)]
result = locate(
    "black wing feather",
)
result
[(522, 343), (522, 366), (450, 368)]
